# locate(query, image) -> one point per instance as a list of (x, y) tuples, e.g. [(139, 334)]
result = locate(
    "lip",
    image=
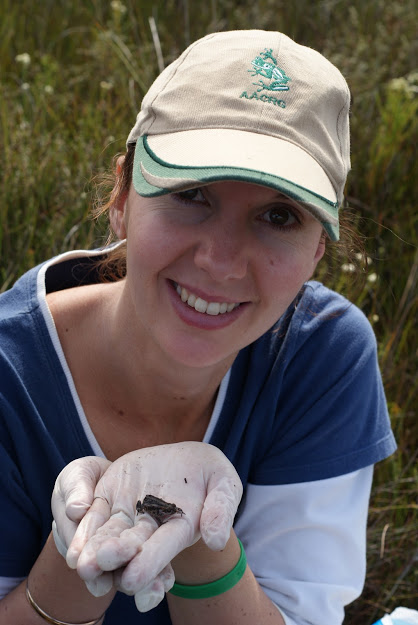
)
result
[(192, 317)]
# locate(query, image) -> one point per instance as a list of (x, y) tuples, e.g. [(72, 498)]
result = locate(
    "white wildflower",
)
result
[(106, 85), (49, 89), (25, 86), (375, 318), (348, 268), (405, 84), (118, 6), (23, 58), (372, 277), (398, 84)]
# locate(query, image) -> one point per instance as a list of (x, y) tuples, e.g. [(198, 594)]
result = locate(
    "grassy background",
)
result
[(72, 75)]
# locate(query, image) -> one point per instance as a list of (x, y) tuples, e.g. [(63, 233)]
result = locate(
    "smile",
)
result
[(201, 305)]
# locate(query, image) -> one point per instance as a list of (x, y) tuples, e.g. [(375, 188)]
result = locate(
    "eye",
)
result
[(281, 217), (190, 195), (190, 206)]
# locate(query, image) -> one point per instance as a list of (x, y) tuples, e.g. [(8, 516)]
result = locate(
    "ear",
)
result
[(117, 216), (117, 211), (119, 164), (320, 251)]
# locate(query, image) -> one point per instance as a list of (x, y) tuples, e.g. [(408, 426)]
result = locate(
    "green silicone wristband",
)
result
[(219, 586)]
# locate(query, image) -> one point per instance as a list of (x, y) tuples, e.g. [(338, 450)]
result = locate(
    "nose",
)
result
[(223, 252)]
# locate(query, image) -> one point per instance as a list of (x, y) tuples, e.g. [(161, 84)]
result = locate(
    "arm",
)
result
[(54, 586), (56, 589), (246, 603), (306, 544)]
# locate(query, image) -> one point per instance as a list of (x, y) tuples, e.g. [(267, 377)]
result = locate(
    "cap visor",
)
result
[(183, 160)]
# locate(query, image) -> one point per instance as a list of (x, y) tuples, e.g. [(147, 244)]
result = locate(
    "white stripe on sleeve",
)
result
[(7, 584)]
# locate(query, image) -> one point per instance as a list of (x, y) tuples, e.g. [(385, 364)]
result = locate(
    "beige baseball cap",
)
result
[(247, 105)]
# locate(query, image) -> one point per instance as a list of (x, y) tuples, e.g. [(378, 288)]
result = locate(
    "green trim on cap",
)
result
[(166, 178)]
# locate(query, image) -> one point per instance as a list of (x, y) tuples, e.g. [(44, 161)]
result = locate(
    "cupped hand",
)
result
[(116, 544), (73, 495)]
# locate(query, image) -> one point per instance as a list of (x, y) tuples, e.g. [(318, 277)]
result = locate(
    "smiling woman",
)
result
[(219, 245), (209, 414)]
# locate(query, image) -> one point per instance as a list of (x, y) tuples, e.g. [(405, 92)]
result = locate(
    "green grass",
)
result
[(66, 112)]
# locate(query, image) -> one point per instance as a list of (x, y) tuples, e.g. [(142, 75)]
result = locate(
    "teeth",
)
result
[(201, 305), (213, 308)]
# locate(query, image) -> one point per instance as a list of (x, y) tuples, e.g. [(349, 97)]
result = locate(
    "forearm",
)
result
[(57, 589), (244, 604)]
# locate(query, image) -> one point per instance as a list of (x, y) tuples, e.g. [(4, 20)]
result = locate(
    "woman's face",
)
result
[(211, 269)]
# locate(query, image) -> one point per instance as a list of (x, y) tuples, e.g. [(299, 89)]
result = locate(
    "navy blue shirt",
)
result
[(304, 402)]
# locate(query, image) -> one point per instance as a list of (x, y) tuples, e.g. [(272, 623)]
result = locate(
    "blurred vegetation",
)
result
[(72, 75)]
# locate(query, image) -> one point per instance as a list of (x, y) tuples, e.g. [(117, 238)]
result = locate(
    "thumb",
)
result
[(73, 495), (219, 510), (75, 485)]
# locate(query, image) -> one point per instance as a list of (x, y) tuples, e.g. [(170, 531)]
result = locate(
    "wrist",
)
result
[(200, 565), (60, 592), (48, 618), (218, 586)]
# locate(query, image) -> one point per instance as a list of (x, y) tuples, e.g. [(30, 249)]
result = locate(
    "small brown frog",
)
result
[(159, 509)]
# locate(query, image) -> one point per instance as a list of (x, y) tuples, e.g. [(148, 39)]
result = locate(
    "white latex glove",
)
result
[(113, 537), (73, 495)]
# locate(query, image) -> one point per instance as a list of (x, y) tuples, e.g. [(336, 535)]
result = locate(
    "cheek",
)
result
[(152, 244), (284, 275), (293, 263)]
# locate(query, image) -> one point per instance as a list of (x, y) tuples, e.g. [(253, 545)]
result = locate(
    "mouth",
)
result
[(202, 306)]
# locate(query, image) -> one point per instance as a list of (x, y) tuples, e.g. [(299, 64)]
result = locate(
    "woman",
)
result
[(211, 368)]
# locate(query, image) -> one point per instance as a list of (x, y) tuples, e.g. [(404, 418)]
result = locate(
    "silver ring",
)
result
[(100, 497)]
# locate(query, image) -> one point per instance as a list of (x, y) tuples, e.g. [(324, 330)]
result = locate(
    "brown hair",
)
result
[(113, 265)]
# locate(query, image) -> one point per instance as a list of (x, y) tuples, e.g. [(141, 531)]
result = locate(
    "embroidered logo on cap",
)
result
[(265, 65)]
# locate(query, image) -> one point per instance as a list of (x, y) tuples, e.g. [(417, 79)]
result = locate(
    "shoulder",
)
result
[(322, 311), (67, 270), (311, 394), (20, 298), (321, 324)]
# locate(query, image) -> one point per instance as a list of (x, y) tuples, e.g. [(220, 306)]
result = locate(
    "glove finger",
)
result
[(219, 512), (156, 553), (148, 600), (87, 565), (76, 484), (116, 552), (95, 518), (59, 543), (150, 596), (73, 495), (101, 585)]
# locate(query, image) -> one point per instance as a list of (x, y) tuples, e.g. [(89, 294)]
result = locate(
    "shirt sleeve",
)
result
[(331, 416), (21, 536), (306, 544), (7, 584)]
